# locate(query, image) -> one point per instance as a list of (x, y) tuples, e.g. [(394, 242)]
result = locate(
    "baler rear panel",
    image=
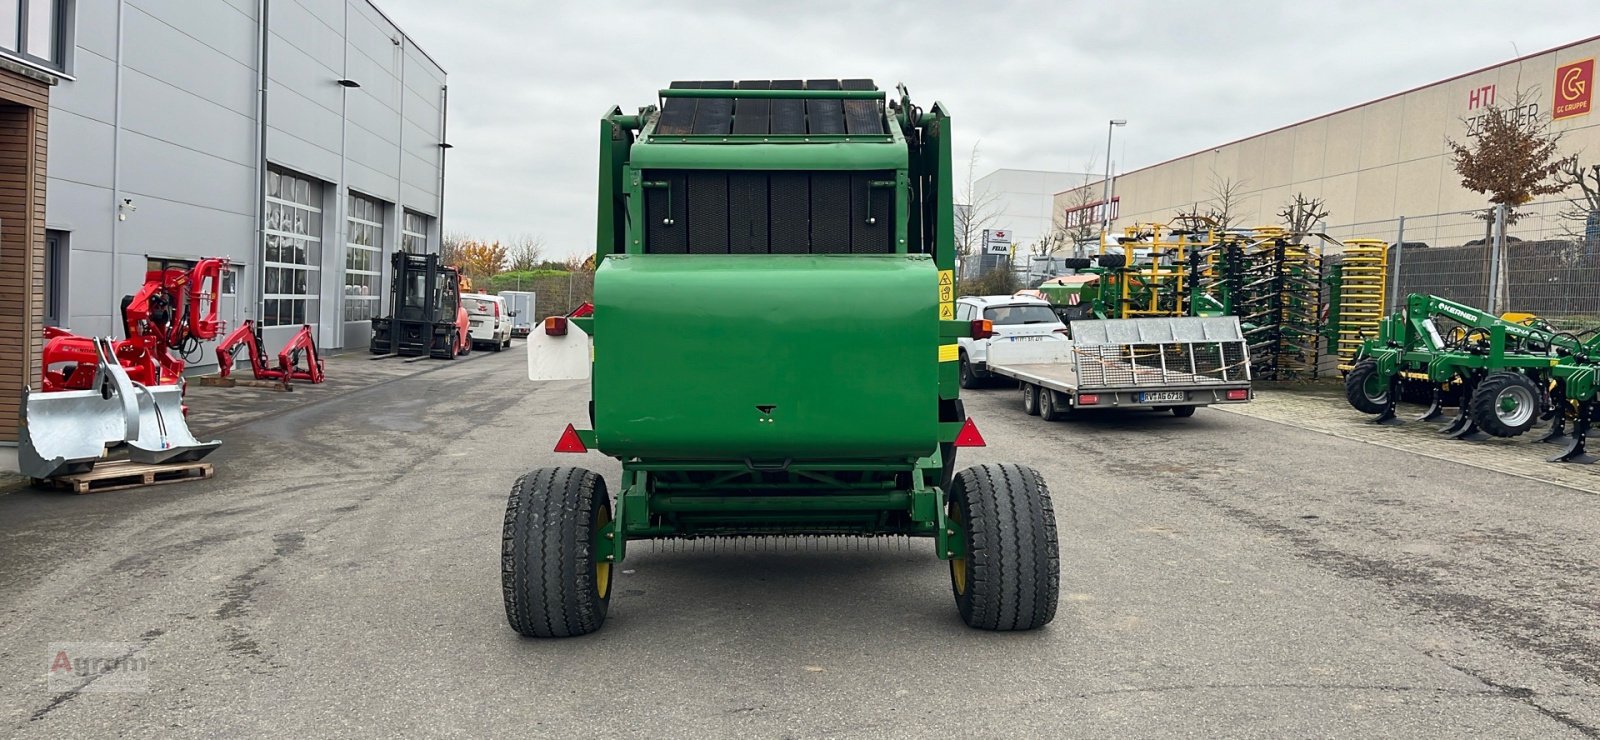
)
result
[(766, 358)]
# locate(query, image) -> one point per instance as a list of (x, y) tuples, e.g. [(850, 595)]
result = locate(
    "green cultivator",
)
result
[(1504, 373), (773, 352)]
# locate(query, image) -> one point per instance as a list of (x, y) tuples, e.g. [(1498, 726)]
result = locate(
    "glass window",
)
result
[(1014, 315), (414, 233), (35, 30), (293, 250), (10, 23), (363, 278), (42, 29)]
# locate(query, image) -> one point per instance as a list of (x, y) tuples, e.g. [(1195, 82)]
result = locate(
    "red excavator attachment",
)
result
[(302, 348)]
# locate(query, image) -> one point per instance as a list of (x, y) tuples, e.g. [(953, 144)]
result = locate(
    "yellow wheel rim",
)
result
[(958, 566), (602, 569)]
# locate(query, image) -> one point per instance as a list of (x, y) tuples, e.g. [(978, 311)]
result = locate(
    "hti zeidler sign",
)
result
[(1574, 94)]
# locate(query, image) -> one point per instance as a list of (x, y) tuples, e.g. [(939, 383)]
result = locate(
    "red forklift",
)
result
[(426, 312)]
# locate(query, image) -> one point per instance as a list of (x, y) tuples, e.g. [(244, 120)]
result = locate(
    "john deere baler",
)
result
[(772, 352)]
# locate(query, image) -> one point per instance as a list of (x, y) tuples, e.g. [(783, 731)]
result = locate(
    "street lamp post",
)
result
[(1105, 200)]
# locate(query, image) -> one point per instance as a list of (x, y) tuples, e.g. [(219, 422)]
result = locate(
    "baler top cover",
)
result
[(753, 112)]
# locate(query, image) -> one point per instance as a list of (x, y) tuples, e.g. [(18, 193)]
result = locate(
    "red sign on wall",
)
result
[(1574, 89)]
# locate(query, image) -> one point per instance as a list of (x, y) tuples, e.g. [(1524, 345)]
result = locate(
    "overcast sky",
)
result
[(1035, 82)]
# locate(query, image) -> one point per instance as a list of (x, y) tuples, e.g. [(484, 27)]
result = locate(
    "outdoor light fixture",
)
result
[(349, 83)]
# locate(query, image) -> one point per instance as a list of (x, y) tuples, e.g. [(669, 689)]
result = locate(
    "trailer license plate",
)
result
[(1162, 396)]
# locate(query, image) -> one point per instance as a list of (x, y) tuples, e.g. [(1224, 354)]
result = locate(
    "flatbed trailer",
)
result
[(1146, 363)]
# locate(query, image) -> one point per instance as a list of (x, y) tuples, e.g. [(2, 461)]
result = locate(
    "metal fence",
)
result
[(1541, 261), (553, 294)]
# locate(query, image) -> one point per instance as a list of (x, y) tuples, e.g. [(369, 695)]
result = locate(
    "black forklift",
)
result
[(427, 318)]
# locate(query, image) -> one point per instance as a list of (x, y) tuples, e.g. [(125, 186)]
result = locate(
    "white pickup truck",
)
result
[(1147, 363)]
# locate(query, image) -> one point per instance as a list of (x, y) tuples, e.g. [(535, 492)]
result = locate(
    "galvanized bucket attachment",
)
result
[(164, 435), (65, 432)]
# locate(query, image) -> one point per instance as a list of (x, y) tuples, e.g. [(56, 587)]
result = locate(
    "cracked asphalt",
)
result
[(1221, 575)]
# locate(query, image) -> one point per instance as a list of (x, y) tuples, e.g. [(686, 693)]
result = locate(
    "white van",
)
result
[(489, 322)]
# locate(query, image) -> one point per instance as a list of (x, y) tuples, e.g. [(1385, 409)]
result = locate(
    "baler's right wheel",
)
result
[(1030, 399), (1009, 576), (1505, 404), (1367, 392), (553, 584)]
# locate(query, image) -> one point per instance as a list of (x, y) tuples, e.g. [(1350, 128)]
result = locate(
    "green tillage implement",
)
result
[(772, 352), (1508, 373)]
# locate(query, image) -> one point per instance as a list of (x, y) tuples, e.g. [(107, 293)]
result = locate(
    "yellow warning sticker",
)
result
[(947, 311), (947, 277), (947, 293), (949, 352)]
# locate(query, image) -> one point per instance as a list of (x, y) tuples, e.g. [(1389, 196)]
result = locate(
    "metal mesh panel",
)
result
[(747, 213), (788, 116), (824, 116), (741, 212), (870, 223), (662, 237), (714, 116), (752, 115), (677, 114), (830, 212), (708, 212), (1136, 365), (862, 116), (789, 194)]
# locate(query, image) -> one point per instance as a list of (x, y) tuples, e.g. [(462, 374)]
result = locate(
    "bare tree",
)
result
[(1225, 200), (525, 252), (979, 210), (1509, 155), (1302, 214), (1586, 204)]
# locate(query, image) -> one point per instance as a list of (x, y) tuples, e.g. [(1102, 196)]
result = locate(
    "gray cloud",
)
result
[(1035, 81)]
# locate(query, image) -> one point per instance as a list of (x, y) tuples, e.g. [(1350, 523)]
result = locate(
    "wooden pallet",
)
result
[(116, 475), (218, 381)]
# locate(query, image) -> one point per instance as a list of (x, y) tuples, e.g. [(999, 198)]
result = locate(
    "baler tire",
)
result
[(550, 579), (1030, 399), (1484, 406), (1183, 412), (1010, 569), (1355, 388)]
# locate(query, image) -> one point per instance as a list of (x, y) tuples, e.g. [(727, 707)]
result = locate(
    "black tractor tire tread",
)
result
[(547, 572), (1355, 387), (1481, 407), (1013, 555), (1076, 263)]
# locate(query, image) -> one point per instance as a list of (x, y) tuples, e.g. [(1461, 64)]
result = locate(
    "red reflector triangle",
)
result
[(969, 436), (570, 442)]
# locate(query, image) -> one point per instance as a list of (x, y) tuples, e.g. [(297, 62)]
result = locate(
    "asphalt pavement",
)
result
[(1221, 575)]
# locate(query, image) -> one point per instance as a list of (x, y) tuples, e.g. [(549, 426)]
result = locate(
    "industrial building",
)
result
[(302, 139), (1369, 163)]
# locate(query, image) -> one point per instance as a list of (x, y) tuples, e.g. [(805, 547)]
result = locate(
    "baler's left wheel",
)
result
[(1008, 577), (553, 584)]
